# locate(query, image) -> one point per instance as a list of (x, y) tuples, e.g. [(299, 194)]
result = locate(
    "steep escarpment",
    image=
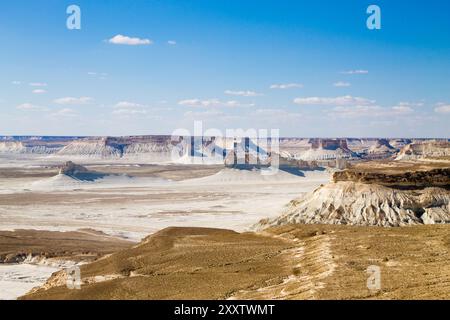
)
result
[(33, 245), (425, 150), (411, 179), (92, 148), (328, 149), (381, 147), (372, 199), (19, 147)]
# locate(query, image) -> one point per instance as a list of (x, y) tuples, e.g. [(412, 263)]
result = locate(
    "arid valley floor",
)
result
[(159, 230)]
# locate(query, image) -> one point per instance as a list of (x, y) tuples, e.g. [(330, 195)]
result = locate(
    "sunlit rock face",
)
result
[(71, 169), (373, 199), (425, 150), (328, 149)]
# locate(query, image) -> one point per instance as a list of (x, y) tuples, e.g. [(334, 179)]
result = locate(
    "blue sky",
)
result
[(308, 68)]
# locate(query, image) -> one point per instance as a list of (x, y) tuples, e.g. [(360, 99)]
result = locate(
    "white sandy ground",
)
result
[(133, 208), (17, 280)]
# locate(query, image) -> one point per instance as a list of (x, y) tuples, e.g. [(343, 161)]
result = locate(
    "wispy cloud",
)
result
[(38, 84), (338, 101), (341, 84), (356, 111), (98, 75), (128, 108), (172, 42), (128, 105), (211, 103), (129, 111), (371, 111), (277, 114), (207, 114), (243, 93), (402, 110), (30, 107), (73, 101), (355, 72), (442, 108), (65, 113), (286, 86), (406, 107), (16, 83), (39, 91), (129, 41)]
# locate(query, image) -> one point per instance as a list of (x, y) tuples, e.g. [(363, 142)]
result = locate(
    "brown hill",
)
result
[(289, 262)]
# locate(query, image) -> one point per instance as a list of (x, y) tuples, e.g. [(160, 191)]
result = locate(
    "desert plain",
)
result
[(140, 229)]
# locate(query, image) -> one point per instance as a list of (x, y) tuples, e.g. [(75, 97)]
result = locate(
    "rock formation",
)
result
[(328, 149), (406, 180), (71, 169), (19, 147), (382, 147), (373, 199), (425, 150)]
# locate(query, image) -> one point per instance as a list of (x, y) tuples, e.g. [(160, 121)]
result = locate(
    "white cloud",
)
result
[(16, 83), (211, 103), (402, 109), (286, 86), (129, 111), (38, 84), (208, 114), (410, 104), (129, 41), (172, 42), (442, 108), (100, 76), (128, 108), (128, 105), (355, 72), (406, 107), (357, 111), (66, 112), (39, 91), (242, 93), (276, 114), (341, 84), (29, 106), (338, 101), (73, 101), (371, 111)]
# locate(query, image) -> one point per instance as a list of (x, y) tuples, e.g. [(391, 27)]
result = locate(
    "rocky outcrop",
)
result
[(71, 169), (425, 150), (328, 149), (69, 173), (412, 180), (92, 148), (381, 147), (18, 147), (399, 143)]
